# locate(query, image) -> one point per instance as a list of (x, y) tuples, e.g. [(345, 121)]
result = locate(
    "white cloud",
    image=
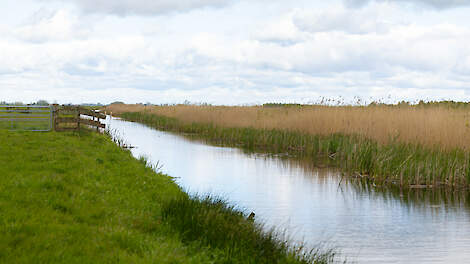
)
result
[(46, 25), (347, 41), (143, 7), (438, 4), (282, 31), (294, 55), (362, 21)]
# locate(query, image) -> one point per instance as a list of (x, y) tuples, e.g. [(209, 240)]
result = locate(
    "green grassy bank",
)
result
[(402, 164), (79, 198)]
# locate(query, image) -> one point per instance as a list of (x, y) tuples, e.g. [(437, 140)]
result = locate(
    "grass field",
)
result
[(79, 198), (18, 125), (410, 146)]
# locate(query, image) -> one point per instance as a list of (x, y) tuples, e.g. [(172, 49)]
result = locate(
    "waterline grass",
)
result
[(80, 198), (404, 164), (213, 223)]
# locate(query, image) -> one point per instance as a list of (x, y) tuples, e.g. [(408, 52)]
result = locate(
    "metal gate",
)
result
[(26, 117)]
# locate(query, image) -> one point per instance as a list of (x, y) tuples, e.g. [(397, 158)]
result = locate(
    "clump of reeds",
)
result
[(434, 125), (117, 138), (397, 163), (212, 223), (157, 166)]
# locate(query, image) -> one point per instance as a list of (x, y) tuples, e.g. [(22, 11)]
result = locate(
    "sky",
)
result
[(234, 52)]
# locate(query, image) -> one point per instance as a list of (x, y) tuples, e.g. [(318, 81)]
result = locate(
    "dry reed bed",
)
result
[(399, 145), (438, 126)]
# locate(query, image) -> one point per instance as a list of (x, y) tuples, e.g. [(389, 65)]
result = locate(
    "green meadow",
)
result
[(80, 198)]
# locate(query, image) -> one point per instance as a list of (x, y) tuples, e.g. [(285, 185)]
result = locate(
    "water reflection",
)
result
[(427, 200), (371, 225)]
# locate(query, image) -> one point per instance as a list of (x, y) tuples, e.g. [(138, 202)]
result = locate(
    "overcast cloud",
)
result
[(439, 4), (143, 7), (240, 52)]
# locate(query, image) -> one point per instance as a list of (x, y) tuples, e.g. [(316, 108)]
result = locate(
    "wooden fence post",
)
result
[(78, 118), (98, 119), (92, 118), (55, 108)]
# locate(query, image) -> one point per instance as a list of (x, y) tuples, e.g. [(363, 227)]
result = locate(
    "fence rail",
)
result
[(47, 118), (31, 118), (69, 118)]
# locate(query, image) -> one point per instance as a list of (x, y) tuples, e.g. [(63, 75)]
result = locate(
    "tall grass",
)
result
[(396, 162), (213, 223), (440, 126)]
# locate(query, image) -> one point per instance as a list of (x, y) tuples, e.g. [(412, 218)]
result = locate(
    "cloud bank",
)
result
[(143, 7), (438, 4), (295, 55)]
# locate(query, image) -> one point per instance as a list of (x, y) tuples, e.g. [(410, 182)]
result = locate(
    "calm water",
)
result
[(367, 226)]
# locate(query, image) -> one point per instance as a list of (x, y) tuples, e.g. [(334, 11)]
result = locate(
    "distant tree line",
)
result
[(421, 103), (44, 103), (38, 103)]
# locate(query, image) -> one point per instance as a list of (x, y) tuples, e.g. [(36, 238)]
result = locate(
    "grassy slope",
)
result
[(68, 199), (78, 198), (397, 163)]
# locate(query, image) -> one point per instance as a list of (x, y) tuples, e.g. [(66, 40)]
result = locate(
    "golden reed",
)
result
[(439, 126)]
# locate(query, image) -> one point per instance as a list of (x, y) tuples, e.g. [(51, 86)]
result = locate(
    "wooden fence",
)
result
[(26, 117), (71, 118)]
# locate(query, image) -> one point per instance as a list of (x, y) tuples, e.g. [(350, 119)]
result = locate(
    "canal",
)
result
[(367, 225)]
